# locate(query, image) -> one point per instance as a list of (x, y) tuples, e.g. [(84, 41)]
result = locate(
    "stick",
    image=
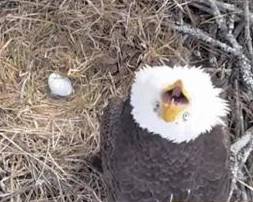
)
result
[(247, 29), (238, 111), (226, 7), (201, 35), (243, 61), (240, 152), (220, 20), (243, 147)]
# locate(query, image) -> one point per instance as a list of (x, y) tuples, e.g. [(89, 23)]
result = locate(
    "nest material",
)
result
[(46, 143)]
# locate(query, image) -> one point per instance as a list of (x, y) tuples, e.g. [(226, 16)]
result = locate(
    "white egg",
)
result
[(59, 85)]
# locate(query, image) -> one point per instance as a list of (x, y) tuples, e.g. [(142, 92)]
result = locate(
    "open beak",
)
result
[(174, 101)]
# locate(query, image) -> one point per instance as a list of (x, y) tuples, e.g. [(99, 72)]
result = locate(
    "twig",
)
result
[(239, 28), (202, 7), (240, 152), (242, 147), (246, 67), (231, 24), (247, 29), (212, 59), (244, 194), (238, 112), (246, 185), (201, 35), (243, 61), (223, 26), (219, 19), (226, 7)]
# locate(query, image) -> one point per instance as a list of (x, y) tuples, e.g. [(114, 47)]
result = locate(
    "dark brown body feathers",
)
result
[(143, 167)]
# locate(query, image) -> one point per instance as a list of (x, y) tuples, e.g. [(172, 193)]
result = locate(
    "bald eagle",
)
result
[(167, 141)]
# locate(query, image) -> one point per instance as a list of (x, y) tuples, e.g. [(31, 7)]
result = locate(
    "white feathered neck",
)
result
[(206, 110)]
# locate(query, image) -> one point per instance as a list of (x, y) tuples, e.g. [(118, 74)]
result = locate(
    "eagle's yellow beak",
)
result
[(174, 101)]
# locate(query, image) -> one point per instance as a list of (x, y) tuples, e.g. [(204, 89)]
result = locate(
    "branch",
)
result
[(239, 121), (247, 29), (203, 36), (243, 62), (246, 67), (243, 146), (220, 20), (225, 7), (240, 152)]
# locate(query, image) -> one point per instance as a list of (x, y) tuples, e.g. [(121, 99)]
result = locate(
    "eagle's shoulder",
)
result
[(109, 128), (217, 142), (114, 104), (110, 119)]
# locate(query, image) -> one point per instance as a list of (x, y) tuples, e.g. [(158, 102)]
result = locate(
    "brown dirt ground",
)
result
[(46, 143)]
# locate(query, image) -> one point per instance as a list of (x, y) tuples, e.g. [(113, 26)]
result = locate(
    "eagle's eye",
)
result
[(186, 116)]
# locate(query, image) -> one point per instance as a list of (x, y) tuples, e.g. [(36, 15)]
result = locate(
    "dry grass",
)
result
[(46, 143)]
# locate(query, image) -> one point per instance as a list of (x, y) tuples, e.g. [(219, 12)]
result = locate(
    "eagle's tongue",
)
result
[(176, 92)]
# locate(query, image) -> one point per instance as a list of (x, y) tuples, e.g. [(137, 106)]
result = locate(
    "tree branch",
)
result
[(240, 152), (243, 62), (226, 7), (247, 29), (203, 36), (220, 20)]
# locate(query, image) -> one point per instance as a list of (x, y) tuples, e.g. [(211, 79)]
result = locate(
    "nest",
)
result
[(47, 143)]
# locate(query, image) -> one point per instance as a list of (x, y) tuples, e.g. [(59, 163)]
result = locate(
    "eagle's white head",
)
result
[(177, 103)]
